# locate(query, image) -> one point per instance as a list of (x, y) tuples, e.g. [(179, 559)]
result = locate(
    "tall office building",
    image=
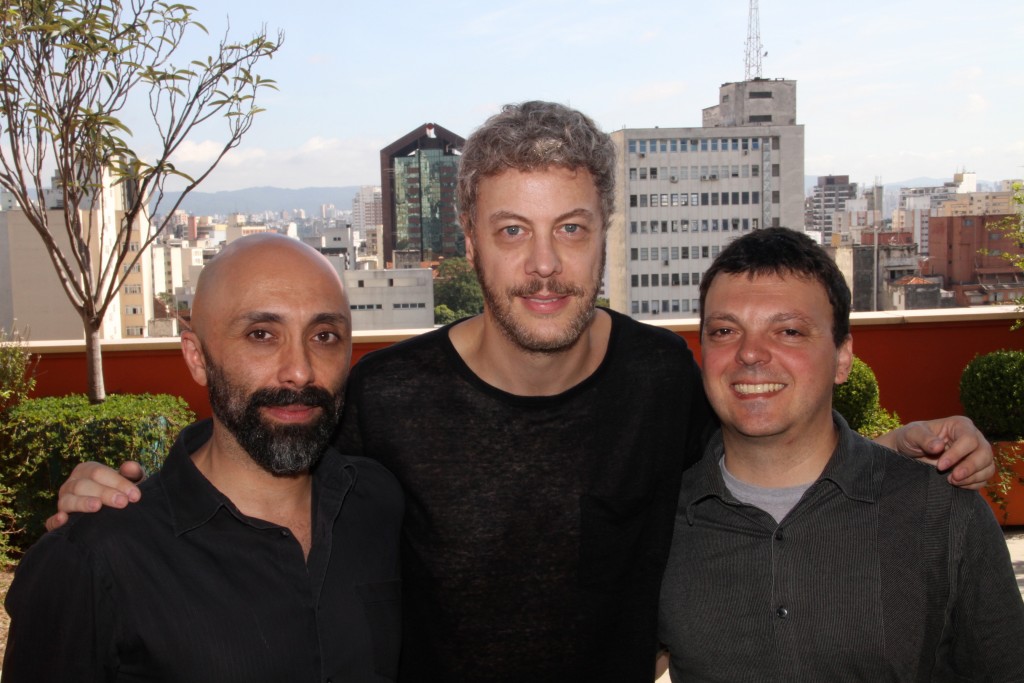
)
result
[(366, 209), (684, 193), (418, 194), (828, 198)]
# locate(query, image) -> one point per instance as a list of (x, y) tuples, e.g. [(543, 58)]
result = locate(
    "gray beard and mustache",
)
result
[(285, 449)]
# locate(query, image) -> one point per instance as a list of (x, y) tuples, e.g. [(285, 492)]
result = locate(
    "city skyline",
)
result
[(900, 90)]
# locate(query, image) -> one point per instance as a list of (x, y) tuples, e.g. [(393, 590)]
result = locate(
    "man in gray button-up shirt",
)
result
[(802, 551)]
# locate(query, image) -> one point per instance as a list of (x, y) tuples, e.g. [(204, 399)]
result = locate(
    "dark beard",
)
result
[(278, 449)]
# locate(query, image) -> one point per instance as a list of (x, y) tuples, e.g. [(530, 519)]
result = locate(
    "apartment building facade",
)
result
[(684, 193)]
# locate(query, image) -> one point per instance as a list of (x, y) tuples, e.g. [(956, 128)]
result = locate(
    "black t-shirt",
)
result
[(536, 528)]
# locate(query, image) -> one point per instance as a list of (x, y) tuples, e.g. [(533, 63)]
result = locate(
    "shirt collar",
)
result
[(194, 500), (850, 468)]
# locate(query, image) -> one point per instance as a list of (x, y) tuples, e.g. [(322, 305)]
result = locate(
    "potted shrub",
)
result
[(856, 400), (992, 394)]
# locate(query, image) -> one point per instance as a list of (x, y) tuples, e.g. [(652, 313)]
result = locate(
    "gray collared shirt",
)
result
[(863, 580)]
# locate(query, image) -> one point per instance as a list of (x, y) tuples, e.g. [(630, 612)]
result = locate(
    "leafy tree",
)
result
[(444, 315), (69, 71), (1013, 227), (457, 289)]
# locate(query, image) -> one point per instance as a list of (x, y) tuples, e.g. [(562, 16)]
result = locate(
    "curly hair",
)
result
[(781, 251), (533, 136)]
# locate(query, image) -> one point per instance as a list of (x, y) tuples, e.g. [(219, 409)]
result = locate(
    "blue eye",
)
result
[(512, 230), (571, 227)]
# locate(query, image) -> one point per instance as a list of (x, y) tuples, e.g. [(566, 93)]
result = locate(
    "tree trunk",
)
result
[(94, 364)]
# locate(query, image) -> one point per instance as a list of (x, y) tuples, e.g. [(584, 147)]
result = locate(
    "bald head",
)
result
[(264, 263), (271, 339)]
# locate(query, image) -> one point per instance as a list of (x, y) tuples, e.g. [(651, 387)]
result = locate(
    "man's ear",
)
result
[(195, 359), (844, 360), (467, 232)]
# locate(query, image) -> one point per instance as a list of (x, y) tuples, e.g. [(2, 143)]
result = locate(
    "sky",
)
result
[(891, 90)]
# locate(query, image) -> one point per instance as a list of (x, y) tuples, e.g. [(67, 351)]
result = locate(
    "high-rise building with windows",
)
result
[(828, 199), (418, 194), (684, 193)]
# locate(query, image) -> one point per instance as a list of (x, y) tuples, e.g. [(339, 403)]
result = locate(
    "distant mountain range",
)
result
[(276, 199), (259, 199)]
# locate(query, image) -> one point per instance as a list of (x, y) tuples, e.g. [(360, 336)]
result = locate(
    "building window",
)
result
[(645, 280), (633, 254), (632, 227), (759, 95), (643, 173), (704, 252), (634, 307), (760, 118), (133, 289), (132, 310), (133, 332), (775, 196)]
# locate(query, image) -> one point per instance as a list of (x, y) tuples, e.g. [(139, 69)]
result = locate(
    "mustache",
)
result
[(556, 287), (311, 396)]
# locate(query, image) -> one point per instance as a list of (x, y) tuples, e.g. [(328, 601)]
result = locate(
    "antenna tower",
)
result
[(754, 50)]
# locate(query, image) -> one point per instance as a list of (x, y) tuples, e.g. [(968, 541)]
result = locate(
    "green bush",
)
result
[(42, 439), (992, 394), (856, 400), (17, 369)]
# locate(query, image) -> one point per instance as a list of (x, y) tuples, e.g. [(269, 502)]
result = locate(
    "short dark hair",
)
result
[(533, 136), (781, 251)]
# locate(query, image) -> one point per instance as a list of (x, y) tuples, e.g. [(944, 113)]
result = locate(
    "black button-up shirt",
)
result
[(881, 572), (183, 587)]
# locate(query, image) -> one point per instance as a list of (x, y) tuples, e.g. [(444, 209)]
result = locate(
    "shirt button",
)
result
[(782, 612), (284, 533), (778, 535)]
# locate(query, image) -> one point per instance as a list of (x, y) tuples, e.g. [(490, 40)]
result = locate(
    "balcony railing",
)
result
[(917, 357)]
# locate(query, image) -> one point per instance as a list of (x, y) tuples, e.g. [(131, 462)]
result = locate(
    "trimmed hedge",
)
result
[(992, 394), (42, 439), (856, 400)]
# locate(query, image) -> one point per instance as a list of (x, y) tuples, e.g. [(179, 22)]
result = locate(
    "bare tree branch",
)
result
[(69, 69)]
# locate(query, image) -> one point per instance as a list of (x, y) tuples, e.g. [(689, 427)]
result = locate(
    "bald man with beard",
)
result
[(258, 553)]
